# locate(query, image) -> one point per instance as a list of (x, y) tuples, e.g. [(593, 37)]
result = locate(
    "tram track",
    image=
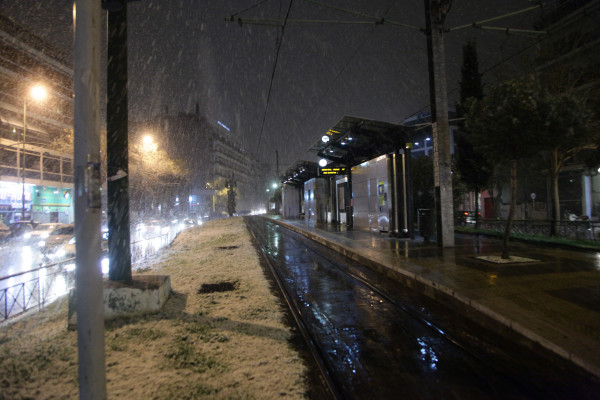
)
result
[(319, 357), (325, 374), (427, 341)]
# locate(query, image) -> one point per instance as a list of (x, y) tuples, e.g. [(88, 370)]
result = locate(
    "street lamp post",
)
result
[(38, 93)]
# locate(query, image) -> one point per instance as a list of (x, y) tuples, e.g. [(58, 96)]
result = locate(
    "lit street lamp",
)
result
[(150, 146), (37, 93)]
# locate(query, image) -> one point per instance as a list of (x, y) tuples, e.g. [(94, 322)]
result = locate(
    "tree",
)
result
[(506, 126), (423, 185), (566, 134), (567, 67), (472, 166), (231, 198)]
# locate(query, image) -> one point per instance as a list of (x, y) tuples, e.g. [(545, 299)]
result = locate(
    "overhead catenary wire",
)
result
[(279, 22), (485, 21), (378, 20), (345, 66), (248, 9), (273, 75), (381, 21), (503, 61), (516, 31)]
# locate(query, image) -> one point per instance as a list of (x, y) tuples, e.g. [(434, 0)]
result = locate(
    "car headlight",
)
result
[(72, 241), (60, 252), (41, 243), (27, 235), (104, 264)]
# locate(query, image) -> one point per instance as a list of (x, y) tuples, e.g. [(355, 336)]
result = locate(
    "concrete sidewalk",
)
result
[(553, 301)]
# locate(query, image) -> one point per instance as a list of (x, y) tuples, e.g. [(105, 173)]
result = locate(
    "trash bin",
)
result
[(424, 222)]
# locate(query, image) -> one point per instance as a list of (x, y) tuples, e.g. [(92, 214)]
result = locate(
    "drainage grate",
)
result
[(225, 286)]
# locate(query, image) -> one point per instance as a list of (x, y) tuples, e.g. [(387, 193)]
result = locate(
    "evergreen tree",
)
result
[(473, 167), (470, 83)]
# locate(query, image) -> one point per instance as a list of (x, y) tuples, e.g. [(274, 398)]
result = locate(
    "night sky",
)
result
[(183, 52)]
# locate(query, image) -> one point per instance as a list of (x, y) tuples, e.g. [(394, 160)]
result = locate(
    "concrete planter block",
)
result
[(146, 294)]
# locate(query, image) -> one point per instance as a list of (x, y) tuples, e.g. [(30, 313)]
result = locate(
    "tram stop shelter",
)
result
[(366, 182), (293, 180)]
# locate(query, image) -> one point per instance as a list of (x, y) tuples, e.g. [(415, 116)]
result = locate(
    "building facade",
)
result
[(214, 164), (36, 166)]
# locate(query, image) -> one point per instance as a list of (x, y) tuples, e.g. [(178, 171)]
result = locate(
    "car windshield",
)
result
[(67, 230)]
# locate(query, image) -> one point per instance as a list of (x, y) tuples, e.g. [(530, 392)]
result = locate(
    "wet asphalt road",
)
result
[(382, 341)]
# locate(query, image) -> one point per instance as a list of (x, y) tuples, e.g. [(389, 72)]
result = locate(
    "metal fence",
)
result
[(35, 288), (577, 230), (145, 248), (38, 287)]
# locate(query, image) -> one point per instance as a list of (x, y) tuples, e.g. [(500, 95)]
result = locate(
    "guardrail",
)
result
[(40, 286)]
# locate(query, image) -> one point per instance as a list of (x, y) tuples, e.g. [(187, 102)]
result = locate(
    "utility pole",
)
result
[(88, 203), (435, 13), (119, 251)]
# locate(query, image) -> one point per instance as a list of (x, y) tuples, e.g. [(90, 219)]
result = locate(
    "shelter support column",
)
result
[(408, 192), (393, 180), (348, 199), (402, 204)]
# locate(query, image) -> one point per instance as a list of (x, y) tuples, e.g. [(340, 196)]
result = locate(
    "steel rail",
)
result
[(441, 333), (315, 350)]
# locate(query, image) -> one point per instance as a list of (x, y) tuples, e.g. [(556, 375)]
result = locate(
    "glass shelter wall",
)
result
[(371, 195)]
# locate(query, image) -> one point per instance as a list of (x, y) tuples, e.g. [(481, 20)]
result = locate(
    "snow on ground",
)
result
[(221, 335)]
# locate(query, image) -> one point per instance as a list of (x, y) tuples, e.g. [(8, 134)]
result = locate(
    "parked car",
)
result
[(466, 218)]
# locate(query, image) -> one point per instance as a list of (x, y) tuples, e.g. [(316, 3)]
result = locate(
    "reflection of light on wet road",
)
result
[(60, 286), (597, 261), (428, 354), (26, 257)]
